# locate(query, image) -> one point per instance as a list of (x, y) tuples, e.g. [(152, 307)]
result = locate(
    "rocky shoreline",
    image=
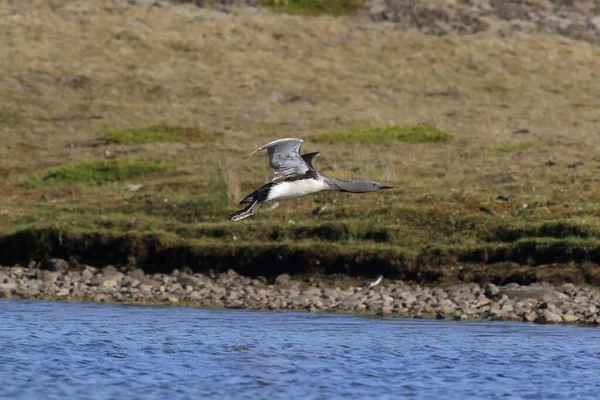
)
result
[(539, 303)]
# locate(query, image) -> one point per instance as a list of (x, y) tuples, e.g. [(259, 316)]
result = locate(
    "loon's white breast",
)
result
[(294, 189)]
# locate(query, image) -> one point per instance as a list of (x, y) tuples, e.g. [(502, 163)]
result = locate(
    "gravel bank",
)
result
[(540, 303)]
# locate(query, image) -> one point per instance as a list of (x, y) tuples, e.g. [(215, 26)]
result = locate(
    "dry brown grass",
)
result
[(72, 70)]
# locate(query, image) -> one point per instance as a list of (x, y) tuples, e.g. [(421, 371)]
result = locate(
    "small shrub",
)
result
[(494, 89), (413, 134), (95, 172), (312, 7), (157, 133)]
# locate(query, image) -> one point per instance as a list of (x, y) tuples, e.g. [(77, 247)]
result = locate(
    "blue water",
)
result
[(62, 350)]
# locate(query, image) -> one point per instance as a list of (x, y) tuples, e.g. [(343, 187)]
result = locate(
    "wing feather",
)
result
[(284, 157)]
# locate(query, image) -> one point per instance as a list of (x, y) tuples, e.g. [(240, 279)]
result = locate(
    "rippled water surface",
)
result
[(80, 350)]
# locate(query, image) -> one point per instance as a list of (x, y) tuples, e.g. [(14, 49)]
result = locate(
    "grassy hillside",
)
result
[(123, 128)]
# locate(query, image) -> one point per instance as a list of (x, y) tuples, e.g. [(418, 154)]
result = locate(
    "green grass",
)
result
[(412, 134), (157, 133), (95, 172), (406, 241), (511, 147), (312, 7)]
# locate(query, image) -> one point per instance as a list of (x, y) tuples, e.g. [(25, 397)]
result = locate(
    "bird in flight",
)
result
[(295, 176)]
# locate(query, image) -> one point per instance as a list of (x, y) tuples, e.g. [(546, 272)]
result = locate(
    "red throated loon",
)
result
[(294, 177)]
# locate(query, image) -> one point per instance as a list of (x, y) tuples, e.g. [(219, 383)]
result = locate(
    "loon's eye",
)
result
[(374, 184)]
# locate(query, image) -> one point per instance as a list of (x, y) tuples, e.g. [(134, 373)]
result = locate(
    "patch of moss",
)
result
[(511, 147), (412, 134), (95, 172), (312, 7), (157, 133)]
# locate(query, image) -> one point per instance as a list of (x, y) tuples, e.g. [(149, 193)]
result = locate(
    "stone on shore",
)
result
[(282, 279), (548, 317), (55, 264)]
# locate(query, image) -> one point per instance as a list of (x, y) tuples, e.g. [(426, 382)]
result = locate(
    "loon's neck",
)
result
[(342, 185)]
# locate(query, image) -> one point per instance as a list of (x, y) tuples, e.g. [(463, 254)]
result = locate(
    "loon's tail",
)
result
[(248, 199), (246, 212)]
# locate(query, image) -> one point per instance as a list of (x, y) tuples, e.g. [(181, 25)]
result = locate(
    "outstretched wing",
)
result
[(284, 157)]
